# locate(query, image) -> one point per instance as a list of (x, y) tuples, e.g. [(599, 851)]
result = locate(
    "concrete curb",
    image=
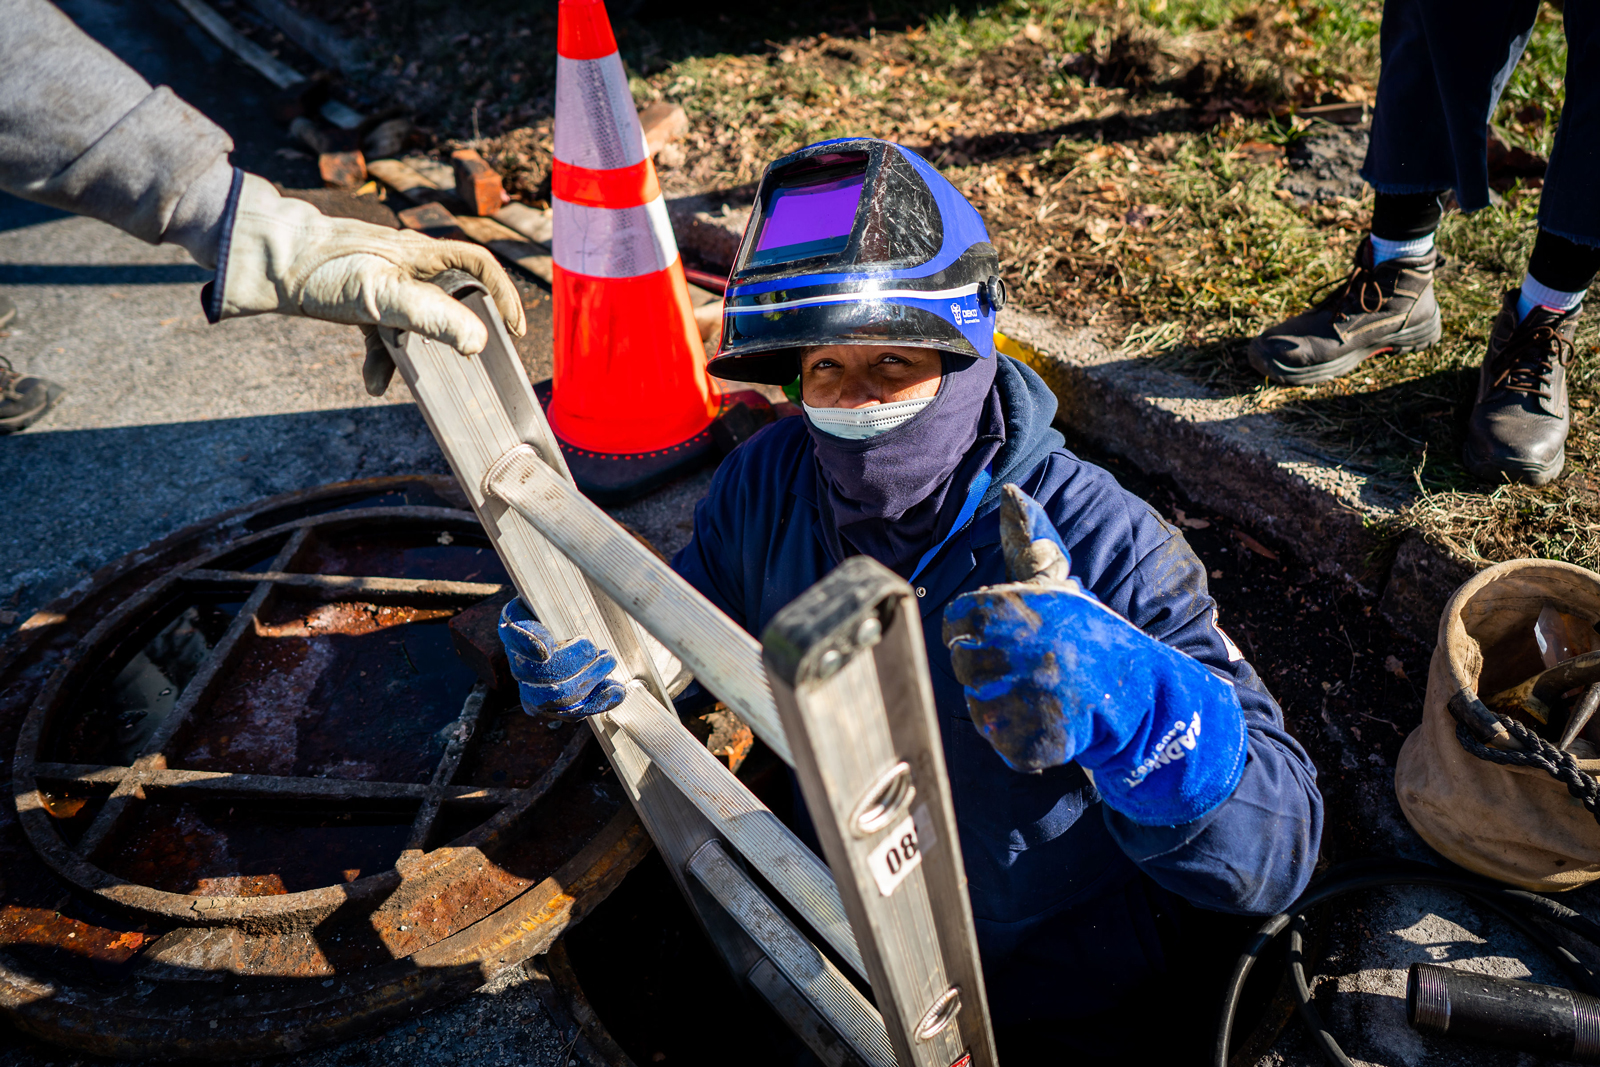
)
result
[(1242, 463)]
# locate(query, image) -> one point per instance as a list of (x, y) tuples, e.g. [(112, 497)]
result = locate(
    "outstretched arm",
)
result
[(81, 131)]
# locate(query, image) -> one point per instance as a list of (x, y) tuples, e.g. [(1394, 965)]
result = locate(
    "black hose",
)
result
[(1508, 904)]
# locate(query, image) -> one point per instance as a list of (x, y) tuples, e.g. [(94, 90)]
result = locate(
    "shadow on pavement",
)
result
[(78, 498), (102, 274)]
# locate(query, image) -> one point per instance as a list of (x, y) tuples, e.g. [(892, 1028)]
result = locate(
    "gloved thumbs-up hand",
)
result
[(1053, 676)]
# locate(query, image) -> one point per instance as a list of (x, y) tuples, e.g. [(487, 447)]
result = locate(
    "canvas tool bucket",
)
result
[(1515, 824)]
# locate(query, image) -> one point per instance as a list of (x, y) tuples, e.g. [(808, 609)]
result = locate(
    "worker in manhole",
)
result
[(1445, 63), (1101, 836), (81, 131)]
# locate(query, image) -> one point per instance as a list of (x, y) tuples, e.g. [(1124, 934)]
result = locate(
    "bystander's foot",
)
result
[(24, 399), (1379, 307), (1518, 428)]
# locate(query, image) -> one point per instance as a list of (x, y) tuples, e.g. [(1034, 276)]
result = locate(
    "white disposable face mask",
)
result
[(857, 424)]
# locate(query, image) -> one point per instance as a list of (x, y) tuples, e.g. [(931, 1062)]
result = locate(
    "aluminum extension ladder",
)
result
[(839, 691)]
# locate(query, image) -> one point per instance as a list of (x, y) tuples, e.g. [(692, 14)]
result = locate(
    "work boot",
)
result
[(1384, 308), (1518, 429), (24, 399)]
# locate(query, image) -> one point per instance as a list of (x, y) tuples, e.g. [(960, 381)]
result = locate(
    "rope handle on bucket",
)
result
[(1537, 752)]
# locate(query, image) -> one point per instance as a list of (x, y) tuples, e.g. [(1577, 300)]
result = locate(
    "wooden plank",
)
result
[(312, 34), (541, 266), (403, 179), (257, 58), (433, 220), (850, 675), (533, 224), (261, 61), (440, 174), (488, 232)]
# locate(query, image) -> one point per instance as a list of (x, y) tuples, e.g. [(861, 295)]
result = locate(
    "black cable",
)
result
[(1369, 874), (1539, 753)]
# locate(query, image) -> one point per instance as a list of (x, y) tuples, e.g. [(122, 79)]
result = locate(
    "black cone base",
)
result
[(617, 477)]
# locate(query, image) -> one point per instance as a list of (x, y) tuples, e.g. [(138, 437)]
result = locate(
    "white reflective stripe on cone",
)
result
[(613, 242), (596, 124)]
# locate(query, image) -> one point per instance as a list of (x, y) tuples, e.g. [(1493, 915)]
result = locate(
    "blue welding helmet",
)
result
[(856, 241)]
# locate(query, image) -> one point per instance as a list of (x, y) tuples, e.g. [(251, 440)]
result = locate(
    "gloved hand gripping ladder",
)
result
[(582, 574)]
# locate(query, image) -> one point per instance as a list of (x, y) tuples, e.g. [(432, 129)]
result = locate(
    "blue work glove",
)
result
[(567, 681), (1052, 676)]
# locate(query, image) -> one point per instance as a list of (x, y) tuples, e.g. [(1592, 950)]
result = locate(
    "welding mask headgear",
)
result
[(856, 241)]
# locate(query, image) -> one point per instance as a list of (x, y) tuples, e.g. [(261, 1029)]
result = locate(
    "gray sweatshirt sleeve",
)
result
[(81, 131)]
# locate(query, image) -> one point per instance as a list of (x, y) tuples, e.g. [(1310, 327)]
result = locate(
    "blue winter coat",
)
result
[(1060, 884)]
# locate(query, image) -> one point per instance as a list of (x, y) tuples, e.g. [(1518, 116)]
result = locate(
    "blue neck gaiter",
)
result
[(890, 496)]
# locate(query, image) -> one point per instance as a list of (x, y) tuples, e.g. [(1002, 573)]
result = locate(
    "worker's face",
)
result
[(854, 376)]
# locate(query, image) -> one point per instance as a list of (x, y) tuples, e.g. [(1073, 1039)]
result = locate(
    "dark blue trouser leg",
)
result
[(1445, 63), (1570, 206)]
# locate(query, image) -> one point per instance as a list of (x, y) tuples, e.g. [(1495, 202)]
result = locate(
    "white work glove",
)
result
[(284, 255)]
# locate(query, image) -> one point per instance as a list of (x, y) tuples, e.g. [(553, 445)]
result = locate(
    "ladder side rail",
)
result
[(460, 400), (872, 791), (824, 985), (900, 659), (785, 998), (480, 408), (725, 658), (747, 824), (515, 402)]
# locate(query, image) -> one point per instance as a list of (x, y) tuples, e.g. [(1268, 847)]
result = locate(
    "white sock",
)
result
[(1383, 249), (1535, 295)]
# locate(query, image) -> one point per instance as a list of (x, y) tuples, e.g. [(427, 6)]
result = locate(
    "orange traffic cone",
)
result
[(631, 401)]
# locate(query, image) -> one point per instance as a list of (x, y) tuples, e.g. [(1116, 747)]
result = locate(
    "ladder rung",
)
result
[(823, 984), (781, 857), (722, 656)]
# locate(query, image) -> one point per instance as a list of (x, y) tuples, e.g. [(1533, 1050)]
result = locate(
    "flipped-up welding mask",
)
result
[(856, 241)]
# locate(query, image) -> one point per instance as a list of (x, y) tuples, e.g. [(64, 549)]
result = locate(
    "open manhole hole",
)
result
[(262, 804)]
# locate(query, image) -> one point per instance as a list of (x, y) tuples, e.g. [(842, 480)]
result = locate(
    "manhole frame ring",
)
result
[(274, 913)]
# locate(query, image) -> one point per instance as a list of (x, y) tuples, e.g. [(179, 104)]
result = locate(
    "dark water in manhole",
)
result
[(654, 979), (446, 556), (248, 850), (662, 991), (119, 718)]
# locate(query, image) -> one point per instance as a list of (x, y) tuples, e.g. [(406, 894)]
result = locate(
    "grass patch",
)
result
[(1127, 157)]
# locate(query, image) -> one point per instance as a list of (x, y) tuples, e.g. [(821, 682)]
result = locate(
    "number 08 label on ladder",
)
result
[(895, 857)]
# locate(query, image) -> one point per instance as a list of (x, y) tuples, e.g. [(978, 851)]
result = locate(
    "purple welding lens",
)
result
[(802, 221)]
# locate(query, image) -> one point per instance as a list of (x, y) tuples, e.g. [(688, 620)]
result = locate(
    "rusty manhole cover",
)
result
[(261, 802)]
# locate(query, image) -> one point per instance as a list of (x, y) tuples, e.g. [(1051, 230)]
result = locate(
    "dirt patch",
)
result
[(1325, 165)]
